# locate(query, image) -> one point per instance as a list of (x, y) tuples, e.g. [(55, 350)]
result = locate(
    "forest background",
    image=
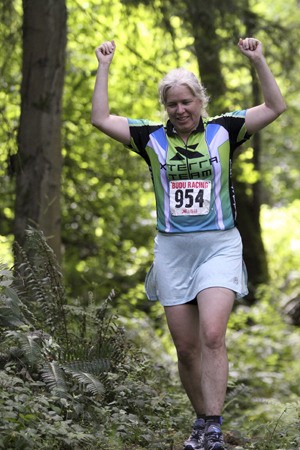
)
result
[(94, 203)]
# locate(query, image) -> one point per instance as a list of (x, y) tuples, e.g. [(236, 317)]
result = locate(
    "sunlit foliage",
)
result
[(109, 212), (107, 204)]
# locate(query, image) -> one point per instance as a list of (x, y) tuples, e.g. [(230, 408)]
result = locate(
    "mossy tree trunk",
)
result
[(39, 160)]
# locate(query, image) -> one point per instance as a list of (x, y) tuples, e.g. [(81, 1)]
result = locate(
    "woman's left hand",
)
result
[(250, 47)]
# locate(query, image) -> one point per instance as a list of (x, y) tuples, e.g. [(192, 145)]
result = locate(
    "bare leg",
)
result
[(215, 305), (183, 322), (199, 338)]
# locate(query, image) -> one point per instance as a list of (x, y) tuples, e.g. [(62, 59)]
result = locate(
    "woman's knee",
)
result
[(213, 338), (189, 353)]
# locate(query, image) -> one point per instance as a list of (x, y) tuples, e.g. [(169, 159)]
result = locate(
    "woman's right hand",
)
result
[(105, 52)]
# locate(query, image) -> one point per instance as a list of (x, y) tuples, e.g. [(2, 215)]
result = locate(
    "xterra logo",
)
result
[(184, 152), (188, 163)]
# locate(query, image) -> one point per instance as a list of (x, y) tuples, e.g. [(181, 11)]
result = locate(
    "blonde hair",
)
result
[(179, 77)]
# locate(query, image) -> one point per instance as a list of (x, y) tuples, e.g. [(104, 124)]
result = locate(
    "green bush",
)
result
[(74, 374), (70, 377)]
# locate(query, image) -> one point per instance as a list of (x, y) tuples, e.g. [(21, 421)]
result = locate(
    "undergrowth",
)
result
[(72, 376), (69, 376), (263, 392)]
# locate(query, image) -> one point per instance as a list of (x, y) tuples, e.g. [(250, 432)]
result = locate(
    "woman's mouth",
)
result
[(182, 118)]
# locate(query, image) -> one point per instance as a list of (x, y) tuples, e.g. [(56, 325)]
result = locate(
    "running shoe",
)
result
[(196, 439), (213, 438)]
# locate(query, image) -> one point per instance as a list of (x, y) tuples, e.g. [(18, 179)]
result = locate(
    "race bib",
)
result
[(190, 197)]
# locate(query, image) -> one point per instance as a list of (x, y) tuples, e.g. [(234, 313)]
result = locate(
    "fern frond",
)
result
[(90, 383), (29, 346), (31, 349), (8, 318), (11, 307), (21, 308), (10, 313), (95, 367), (31, 288), (53, 375), (41, 279)]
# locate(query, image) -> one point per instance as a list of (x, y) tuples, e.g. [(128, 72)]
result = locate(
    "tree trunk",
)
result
[(39, 160), (248, 207), (202, 19)]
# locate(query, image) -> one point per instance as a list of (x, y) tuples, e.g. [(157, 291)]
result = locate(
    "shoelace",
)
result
[(214, 437)]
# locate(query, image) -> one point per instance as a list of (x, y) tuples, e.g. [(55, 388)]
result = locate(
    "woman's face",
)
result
[(184, 109)]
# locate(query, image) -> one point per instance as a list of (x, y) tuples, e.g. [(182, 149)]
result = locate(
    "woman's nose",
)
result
[(180, 108)]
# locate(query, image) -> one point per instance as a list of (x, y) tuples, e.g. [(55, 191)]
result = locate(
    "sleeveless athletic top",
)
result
[(192, 181)]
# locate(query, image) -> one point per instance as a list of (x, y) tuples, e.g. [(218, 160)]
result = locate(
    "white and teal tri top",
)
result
[(192, 181)]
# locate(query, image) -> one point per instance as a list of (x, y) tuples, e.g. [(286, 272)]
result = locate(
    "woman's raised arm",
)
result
[(261, 115), (114, 126)]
